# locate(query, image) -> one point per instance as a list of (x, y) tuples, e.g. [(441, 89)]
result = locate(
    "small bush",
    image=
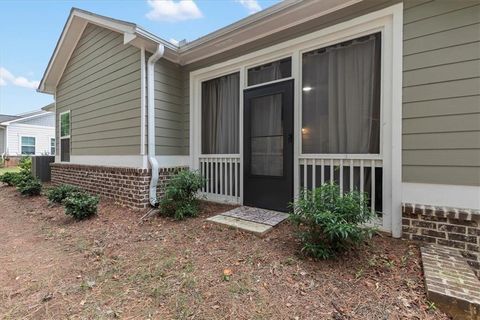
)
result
[(58, 194), (329, 223), (14, 178), (29, 186), (80, 205), (25, 164), (180, 199), (9, 178)]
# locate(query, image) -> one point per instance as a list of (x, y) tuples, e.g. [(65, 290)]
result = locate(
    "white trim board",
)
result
[(444, 195), (173, 161), (130, 161), (134, 161), (388, 21)]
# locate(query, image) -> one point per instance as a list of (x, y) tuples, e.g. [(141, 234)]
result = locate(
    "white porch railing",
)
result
[(222, 174), (350, 172)]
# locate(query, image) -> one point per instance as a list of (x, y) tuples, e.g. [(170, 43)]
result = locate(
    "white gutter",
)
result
[(151, 122)]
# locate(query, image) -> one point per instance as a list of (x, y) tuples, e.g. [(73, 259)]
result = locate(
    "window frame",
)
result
[(34, 145), (248, 68), (64, 137), (54, 146)]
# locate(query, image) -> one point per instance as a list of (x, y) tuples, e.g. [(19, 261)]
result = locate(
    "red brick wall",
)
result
[(127, 186), (13, 161), (456, 228)]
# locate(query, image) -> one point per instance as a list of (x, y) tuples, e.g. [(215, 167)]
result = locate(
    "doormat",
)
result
[(256, 220)]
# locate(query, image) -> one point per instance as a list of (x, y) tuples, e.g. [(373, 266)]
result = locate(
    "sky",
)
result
[(29, 31)]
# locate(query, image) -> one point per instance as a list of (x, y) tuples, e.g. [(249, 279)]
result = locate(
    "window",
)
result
[(65, 136), (28, 145), (220, 115), (341, 98), (269, 72), (52, 146)]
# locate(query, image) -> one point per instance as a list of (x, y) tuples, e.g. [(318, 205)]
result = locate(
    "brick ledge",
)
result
[(462, 214), (109, 168)]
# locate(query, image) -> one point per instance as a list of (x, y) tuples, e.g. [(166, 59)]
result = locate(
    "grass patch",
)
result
[(9, 169)]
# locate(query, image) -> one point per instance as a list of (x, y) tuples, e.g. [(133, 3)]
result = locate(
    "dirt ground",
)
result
[(52, 267)]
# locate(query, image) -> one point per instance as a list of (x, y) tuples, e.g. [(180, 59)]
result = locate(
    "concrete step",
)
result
[(253, 227)]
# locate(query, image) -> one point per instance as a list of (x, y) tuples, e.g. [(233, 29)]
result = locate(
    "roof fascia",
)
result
[(216, 42), (259, 27), (6, 123)]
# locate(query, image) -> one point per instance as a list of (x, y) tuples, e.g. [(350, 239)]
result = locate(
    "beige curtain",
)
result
[(220, 115), (341, 106)]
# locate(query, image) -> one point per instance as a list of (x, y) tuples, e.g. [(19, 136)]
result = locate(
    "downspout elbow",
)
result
[(151, 123)]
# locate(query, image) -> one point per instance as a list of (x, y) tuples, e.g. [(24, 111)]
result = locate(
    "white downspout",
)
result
[(151, 122)]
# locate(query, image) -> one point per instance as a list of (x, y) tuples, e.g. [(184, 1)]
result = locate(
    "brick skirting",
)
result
[(452, 227), (127, 186)]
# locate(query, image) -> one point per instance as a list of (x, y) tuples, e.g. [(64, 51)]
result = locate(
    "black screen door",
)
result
[(268, 146)]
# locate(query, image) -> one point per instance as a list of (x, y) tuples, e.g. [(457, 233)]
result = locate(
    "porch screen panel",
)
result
[(220, 115), (267, 136), (269, 72), (65, 150), (341, 98)]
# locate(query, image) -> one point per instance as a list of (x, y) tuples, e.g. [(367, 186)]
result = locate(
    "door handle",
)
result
[(290, 137)]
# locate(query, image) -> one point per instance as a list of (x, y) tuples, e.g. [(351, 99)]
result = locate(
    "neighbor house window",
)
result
[(270, 72), (341, 98), (28, 145), (220, 115), (65, 136), (52, 146)]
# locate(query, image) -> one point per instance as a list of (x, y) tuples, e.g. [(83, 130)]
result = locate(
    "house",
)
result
[(381, 96), (31, 133)]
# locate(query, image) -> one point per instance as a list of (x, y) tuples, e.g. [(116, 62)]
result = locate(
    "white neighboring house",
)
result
[(31, 133)]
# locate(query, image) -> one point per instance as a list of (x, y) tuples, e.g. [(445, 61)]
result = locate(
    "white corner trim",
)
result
[(396, 66), (173, 161), (134, 161), (442, 195), (128, 37), (143, 104)]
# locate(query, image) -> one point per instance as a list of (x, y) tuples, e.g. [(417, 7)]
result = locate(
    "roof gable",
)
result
[(72, 32), (275, 19)]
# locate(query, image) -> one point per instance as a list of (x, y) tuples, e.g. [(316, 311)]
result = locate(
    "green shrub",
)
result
[(14, 178), (329, 223), (25, 164), (29, 186), (80, 205), (180, 199), (9, 178), (59, 193)]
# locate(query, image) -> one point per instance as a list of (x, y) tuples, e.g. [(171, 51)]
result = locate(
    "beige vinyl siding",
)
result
[(2, 140), (101, 88), (441, 95), (171, 104)]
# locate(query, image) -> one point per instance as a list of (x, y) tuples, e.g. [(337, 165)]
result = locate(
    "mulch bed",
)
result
[(113, 265)]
